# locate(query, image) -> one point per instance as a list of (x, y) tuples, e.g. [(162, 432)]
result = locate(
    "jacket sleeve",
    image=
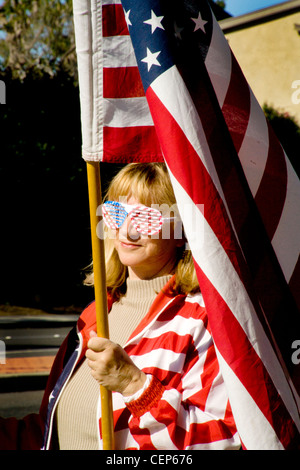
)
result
[(192, 412), (28, 433)]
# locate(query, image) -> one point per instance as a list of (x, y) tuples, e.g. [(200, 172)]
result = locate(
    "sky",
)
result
[(240, 7)]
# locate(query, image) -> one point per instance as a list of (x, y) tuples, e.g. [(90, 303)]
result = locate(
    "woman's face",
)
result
[(145, 257)]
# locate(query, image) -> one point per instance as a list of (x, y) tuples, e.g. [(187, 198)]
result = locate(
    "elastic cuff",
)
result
[(148, 399), (140, 392)]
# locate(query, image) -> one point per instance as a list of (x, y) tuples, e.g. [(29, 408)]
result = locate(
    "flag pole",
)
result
[(95, 199)]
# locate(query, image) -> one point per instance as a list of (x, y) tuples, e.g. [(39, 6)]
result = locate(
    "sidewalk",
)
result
[(26, 365), (30, 339)]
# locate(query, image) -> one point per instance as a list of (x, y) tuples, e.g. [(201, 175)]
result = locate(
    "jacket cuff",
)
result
[(148, 399)]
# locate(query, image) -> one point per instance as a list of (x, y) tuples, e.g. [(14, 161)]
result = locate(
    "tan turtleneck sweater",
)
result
[(76, 416)]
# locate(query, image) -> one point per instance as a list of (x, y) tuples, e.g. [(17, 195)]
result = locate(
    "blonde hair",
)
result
[(150, 184)]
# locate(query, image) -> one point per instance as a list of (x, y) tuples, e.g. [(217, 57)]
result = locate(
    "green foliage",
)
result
[(288, 132), (45, 224), (43, 191), (221, 3), (37, 38)]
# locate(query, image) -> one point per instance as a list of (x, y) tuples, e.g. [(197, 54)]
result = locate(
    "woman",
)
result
[(160, 362)]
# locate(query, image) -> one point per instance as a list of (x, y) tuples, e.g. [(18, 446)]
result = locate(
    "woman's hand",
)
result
[(112, 367)]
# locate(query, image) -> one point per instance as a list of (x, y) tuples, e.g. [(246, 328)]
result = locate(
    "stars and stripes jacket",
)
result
[(185, 406)]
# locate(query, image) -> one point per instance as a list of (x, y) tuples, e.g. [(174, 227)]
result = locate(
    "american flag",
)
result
[(222, 156)]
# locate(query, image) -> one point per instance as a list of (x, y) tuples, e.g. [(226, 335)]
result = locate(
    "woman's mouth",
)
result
[(129, 245)]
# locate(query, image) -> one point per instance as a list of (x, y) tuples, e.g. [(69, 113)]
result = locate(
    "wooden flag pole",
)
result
[(95, 199)]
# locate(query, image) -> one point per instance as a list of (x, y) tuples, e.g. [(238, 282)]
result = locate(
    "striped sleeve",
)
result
[(186, 404)]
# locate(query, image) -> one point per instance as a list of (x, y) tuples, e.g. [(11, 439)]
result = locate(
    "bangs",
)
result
[(149, 184)]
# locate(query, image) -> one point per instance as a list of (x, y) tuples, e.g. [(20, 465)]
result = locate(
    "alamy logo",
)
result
[(2, 352), (2, 92), (296, 354), (296, 94)]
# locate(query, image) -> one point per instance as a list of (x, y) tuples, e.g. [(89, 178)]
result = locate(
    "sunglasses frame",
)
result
[(129, 209)]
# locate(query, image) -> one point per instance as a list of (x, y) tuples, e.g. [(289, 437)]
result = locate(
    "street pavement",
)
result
[(20, 404), (28, 348)]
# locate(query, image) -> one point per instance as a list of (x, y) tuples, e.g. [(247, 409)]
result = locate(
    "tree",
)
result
[(288, 132), (37, 38), (221, 4)]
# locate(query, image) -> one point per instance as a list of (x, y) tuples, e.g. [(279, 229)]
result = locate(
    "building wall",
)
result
[(269, 55)]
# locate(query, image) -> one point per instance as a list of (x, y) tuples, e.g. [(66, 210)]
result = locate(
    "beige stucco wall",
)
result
[(269, 55)]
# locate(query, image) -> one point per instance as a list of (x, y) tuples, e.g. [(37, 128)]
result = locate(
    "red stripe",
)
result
[(121, 144), (236, 107), (271, 194), (169, 341), (113, 21), (122, 82), (246, 364), (267, 280), (175, 146), (210, 371), (198, 433), (178, 152)]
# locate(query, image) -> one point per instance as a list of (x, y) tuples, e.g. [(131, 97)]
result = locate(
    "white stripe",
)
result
[(141, 333), (218, 63), (172, 92), (178, 325), (254, 153), (126, 112), (286, 240), (164, 359), (254, 150), (194, 414), (214, 262), (208, 253), (254, 429), (191, 381), (118, 52), (111, 2), (197, 298), (160, 436), (88, 33), (217, 399)]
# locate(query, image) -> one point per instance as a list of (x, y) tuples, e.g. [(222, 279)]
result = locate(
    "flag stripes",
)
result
[(113, 23), (158, 97), (129, 79), (174, 422), (276, 192), (222, 155), (113, 126), (271, 178)]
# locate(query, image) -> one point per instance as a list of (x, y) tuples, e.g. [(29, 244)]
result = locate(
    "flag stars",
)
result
[(177, 31), (151, 59), (155, 22), (199, 23), (127, 13)]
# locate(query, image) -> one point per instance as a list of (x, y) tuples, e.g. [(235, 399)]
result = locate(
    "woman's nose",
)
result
[(127, 230)]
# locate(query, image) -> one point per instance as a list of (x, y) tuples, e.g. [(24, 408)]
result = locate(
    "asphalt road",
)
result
[(23, 332), (28, 337), (20, 404)]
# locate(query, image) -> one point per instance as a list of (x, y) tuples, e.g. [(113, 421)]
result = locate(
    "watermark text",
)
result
[(296, 93), (296, 353), (2, 92), (2, 352)]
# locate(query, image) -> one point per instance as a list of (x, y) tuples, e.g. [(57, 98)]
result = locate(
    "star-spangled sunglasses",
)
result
[(145, 220)]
